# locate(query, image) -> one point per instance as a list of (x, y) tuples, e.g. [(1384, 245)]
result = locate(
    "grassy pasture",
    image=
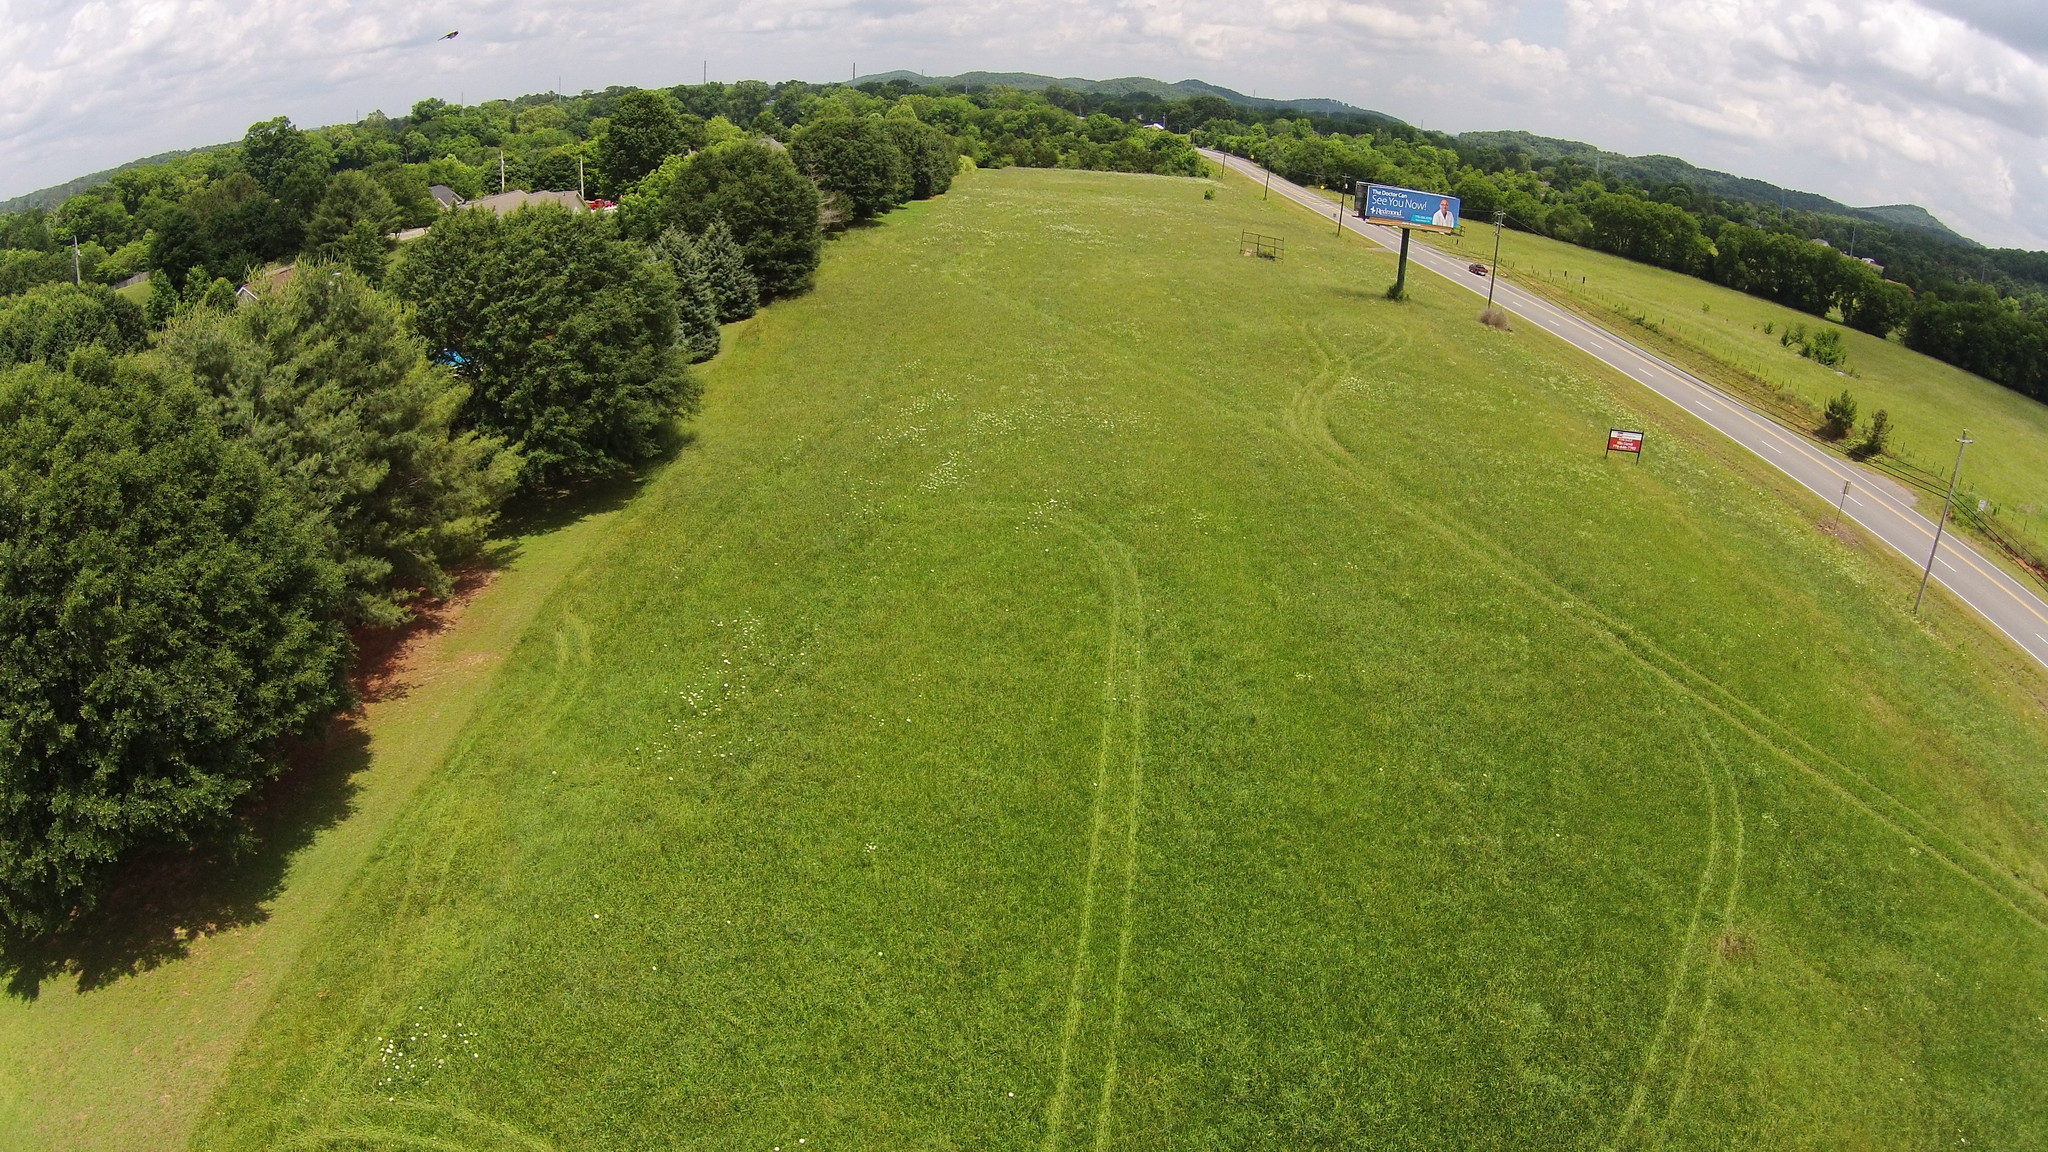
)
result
[(1930, 402), (1088, 689)]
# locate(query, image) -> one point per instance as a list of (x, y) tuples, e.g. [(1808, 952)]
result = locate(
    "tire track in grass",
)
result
[(398, 1124), (1114, 817), (1697, 960), (1847, 783), (1716, 956), (1306, 418)]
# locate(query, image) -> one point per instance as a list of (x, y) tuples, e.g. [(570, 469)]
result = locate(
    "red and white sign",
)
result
[(1621, 440)]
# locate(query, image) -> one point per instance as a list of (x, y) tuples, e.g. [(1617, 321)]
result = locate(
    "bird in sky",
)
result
[(452, 35)]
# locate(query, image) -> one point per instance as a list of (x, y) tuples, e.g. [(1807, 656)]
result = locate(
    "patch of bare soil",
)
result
[(388, 660), (1834, 528)]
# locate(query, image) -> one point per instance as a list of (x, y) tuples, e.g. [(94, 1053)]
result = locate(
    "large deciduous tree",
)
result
[(771, 208), (287, 163), (647, 127), (168, 614), (49, 323), (855, 158), (930, 156), (566, 334), (227, 227)]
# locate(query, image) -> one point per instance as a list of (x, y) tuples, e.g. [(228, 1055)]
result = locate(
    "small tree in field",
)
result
[(1878, 436), (1840, 417)]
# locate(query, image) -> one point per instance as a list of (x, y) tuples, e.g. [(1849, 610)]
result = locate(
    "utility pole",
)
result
[(1499, 218), (77, 280), (705, 76), (1843, 502), (1269, 185), (1340, 212), (1962, 442)]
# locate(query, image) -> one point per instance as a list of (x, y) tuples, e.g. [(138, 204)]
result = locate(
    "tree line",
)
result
[(214, 482), (1983, 311), (333, 192)]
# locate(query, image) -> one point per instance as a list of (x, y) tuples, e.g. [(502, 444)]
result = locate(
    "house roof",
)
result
[(506, 203), (268, 281), (444, 195)]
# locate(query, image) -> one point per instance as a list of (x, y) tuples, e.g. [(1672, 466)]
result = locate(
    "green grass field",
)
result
[(1084, 688), (1930, 402)]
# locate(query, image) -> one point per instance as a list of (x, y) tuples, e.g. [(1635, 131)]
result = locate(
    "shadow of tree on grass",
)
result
[(163, 900)]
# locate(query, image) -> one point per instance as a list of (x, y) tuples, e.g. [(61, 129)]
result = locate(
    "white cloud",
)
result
[(1941, 102)]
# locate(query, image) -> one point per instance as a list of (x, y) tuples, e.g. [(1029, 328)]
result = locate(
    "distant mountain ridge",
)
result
[(55, 194), (1132, 86), (1672, 170)]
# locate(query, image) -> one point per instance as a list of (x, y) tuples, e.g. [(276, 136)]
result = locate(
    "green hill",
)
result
[(1920, 219)]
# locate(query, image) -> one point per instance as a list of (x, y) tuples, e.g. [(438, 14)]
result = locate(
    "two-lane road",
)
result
[(1879, 505)]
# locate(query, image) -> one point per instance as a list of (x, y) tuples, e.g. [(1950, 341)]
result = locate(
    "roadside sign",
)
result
[(1625, 440), (1408, 207)]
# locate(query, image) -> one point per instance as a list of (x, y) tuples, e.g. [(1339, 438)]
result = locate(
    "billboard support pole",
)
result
[(1400, 288)]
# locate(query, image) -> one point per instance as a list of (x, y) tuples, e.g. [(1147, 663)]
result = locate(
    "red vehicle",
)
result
[(1476, 269)]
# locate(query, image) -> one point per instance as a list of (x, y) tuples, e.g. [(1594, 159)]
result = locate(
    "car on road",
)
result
[(1476, 269)]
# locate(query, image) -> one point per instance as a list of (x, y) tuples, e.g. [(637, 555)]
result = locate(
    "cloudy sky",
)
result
[(1938, 102)]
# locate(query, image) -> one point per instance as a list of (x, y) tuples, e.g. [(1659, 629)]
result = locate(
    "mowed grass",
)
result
[(125, 1056), (1931, 403), (1084, 688)]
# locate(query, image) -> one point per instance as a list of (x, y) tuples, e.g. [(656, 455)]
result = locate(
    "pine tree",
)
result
[(725, 267), (697, 305), (1877, 438), (1840, 417)]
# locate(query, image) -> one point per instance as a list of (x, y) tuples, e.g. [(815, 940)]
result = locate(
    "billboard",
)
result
[(1407, 207)]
